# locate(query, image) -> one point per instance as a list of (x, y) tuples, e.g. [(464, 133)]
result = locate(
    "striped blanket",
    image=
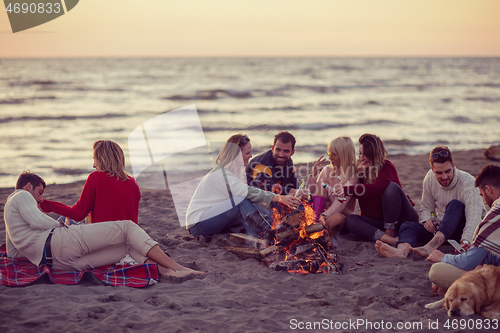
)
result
[(20, 272), (487, 234)]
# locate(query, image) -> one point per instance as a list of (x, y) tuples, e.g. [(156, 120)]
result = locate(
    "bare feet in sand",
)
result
[(423, 251), (387, 251)]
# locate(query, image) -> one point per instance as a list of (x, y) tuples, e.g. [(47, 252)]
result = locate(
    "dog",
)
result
[(477, 291)]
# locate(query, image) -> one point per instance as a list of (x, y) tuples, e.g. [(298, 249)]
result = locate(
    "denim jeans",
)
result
[(231, 218), (396, 208), (452, 226)]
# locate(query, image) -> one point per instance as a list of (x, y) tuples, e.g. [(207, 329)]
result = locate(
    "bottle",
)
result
[(301, 187), (331, 191)]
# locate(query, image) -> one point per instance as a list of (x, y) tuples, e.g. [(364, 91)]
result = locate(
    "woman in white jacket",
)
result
[(223, 199)]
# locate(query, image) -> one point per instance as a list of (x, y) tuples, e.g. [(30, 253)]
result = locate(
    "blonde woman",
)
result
[(223, 200), (341, 171), (109, 194), (383, 204)]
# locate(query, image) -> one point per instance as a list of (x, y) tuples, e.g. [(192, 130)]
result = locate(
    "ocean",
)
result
[(52, 110)]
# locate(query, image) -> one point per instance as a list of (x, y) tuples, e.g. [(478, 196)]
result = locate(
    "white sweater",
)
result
[(26, 226), (435, 198), (212, 190)]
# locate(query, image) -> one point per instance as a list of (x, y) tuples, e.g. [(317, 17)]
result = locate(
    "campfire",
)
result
[(299, 244)]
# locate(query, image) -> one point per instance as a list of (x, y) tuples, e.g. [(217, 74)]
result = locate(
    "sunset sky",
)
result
[(262, 28)]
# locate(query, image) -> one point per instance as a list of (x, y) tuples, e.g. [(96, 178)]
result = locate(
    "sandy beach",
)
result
[(240, 295)]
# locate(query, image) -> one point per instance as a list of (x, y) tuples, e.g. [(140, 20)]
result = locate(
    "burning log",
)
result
[(269, 250), (300, 245), (283, 237), (297, 266)]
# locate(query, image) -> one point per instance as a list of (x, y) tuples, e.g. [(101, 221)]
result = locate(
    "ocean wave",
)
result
[(12, 101), (402, 142), (488, 84), (43, 118), (24, 100), (213, 94), (72, 172), (462, 120), (291, 127), (486, 99), (288, 89), (19, 83), (372, 102), (282, 108)]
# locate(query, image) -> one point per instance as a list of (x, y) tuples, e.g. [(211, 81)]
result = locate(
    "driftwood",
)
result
[(293, 250), (244, 252), (245, 237), (298, 265), (288, 235)]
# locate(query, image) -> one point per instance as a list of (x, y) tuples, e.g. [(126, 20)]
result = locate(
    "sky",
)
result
[(157, 28)]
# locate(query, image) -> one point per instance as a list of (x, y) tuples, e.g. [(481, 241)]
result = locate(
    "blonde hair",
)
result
[(346, 152), (231, 149), (109, 157), (374, 150)]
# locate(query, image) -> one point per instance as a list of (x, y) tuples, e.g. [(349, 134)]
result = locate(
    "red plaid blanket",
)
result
[(20, 271)]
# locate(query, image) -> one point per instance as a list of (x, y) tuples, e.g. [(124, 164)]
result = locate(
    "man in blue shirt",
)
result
[(486, 247)]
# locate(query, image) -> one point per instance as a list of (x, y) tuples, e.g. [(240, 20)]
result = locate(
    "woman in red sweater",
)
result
[(383, 204), (109, 194)]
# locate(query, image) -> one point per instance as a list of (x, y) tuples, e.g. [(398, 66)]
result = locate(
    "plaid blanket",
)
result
[(20, 272)]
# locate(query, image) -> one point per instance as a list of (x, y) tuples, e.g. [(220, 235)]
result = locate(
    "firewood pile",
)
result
[(299, 245)]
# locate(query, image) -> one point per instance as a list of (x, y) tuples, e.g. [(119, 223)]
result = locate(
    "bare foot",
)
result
[(387, 251), (437, 290), (183, 271), (422, 251)]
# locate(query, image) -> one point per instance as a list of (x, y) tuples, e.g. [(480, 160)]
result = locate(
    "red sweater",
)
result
[(370, 195), (105, 198)]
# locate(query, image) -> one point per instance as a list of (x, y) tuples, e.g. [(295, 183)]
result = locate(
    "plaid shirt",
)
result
[(20, 272)]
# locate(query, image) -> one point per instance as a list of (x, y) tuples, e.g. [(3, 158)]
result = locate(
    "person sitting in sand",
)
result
[(341, 171), (486, 244), (44, 241), (223, 200), (383, 204), (273, 170), (451, 207), (109, 194)]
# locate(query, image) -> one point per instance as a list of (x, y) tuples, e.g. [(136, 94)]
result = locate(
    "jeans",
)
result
[(451, 226), (231, 218), (396, 208)]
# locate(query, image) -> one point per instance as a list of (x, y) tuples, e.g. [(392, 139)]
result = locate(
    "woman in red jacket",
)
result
[(383, 204), (109, 194)]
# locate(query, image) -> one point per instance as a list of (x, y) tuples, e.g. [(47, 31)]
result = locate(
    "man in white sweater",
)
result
[(451, 207), (44, 241)]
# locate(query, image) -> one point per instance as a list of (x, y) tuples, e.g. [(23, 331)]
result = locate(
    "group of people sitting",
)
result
[(240, 192), (109, 196)]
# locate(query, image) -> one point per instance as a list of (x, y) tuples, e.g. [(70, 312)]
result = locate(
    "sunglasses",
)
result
[(244, 139), (442, 153), (332, 156)]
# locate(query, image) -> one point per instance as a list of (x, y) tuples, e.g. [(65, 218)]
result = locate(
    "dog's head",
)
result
[(464, 298)]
